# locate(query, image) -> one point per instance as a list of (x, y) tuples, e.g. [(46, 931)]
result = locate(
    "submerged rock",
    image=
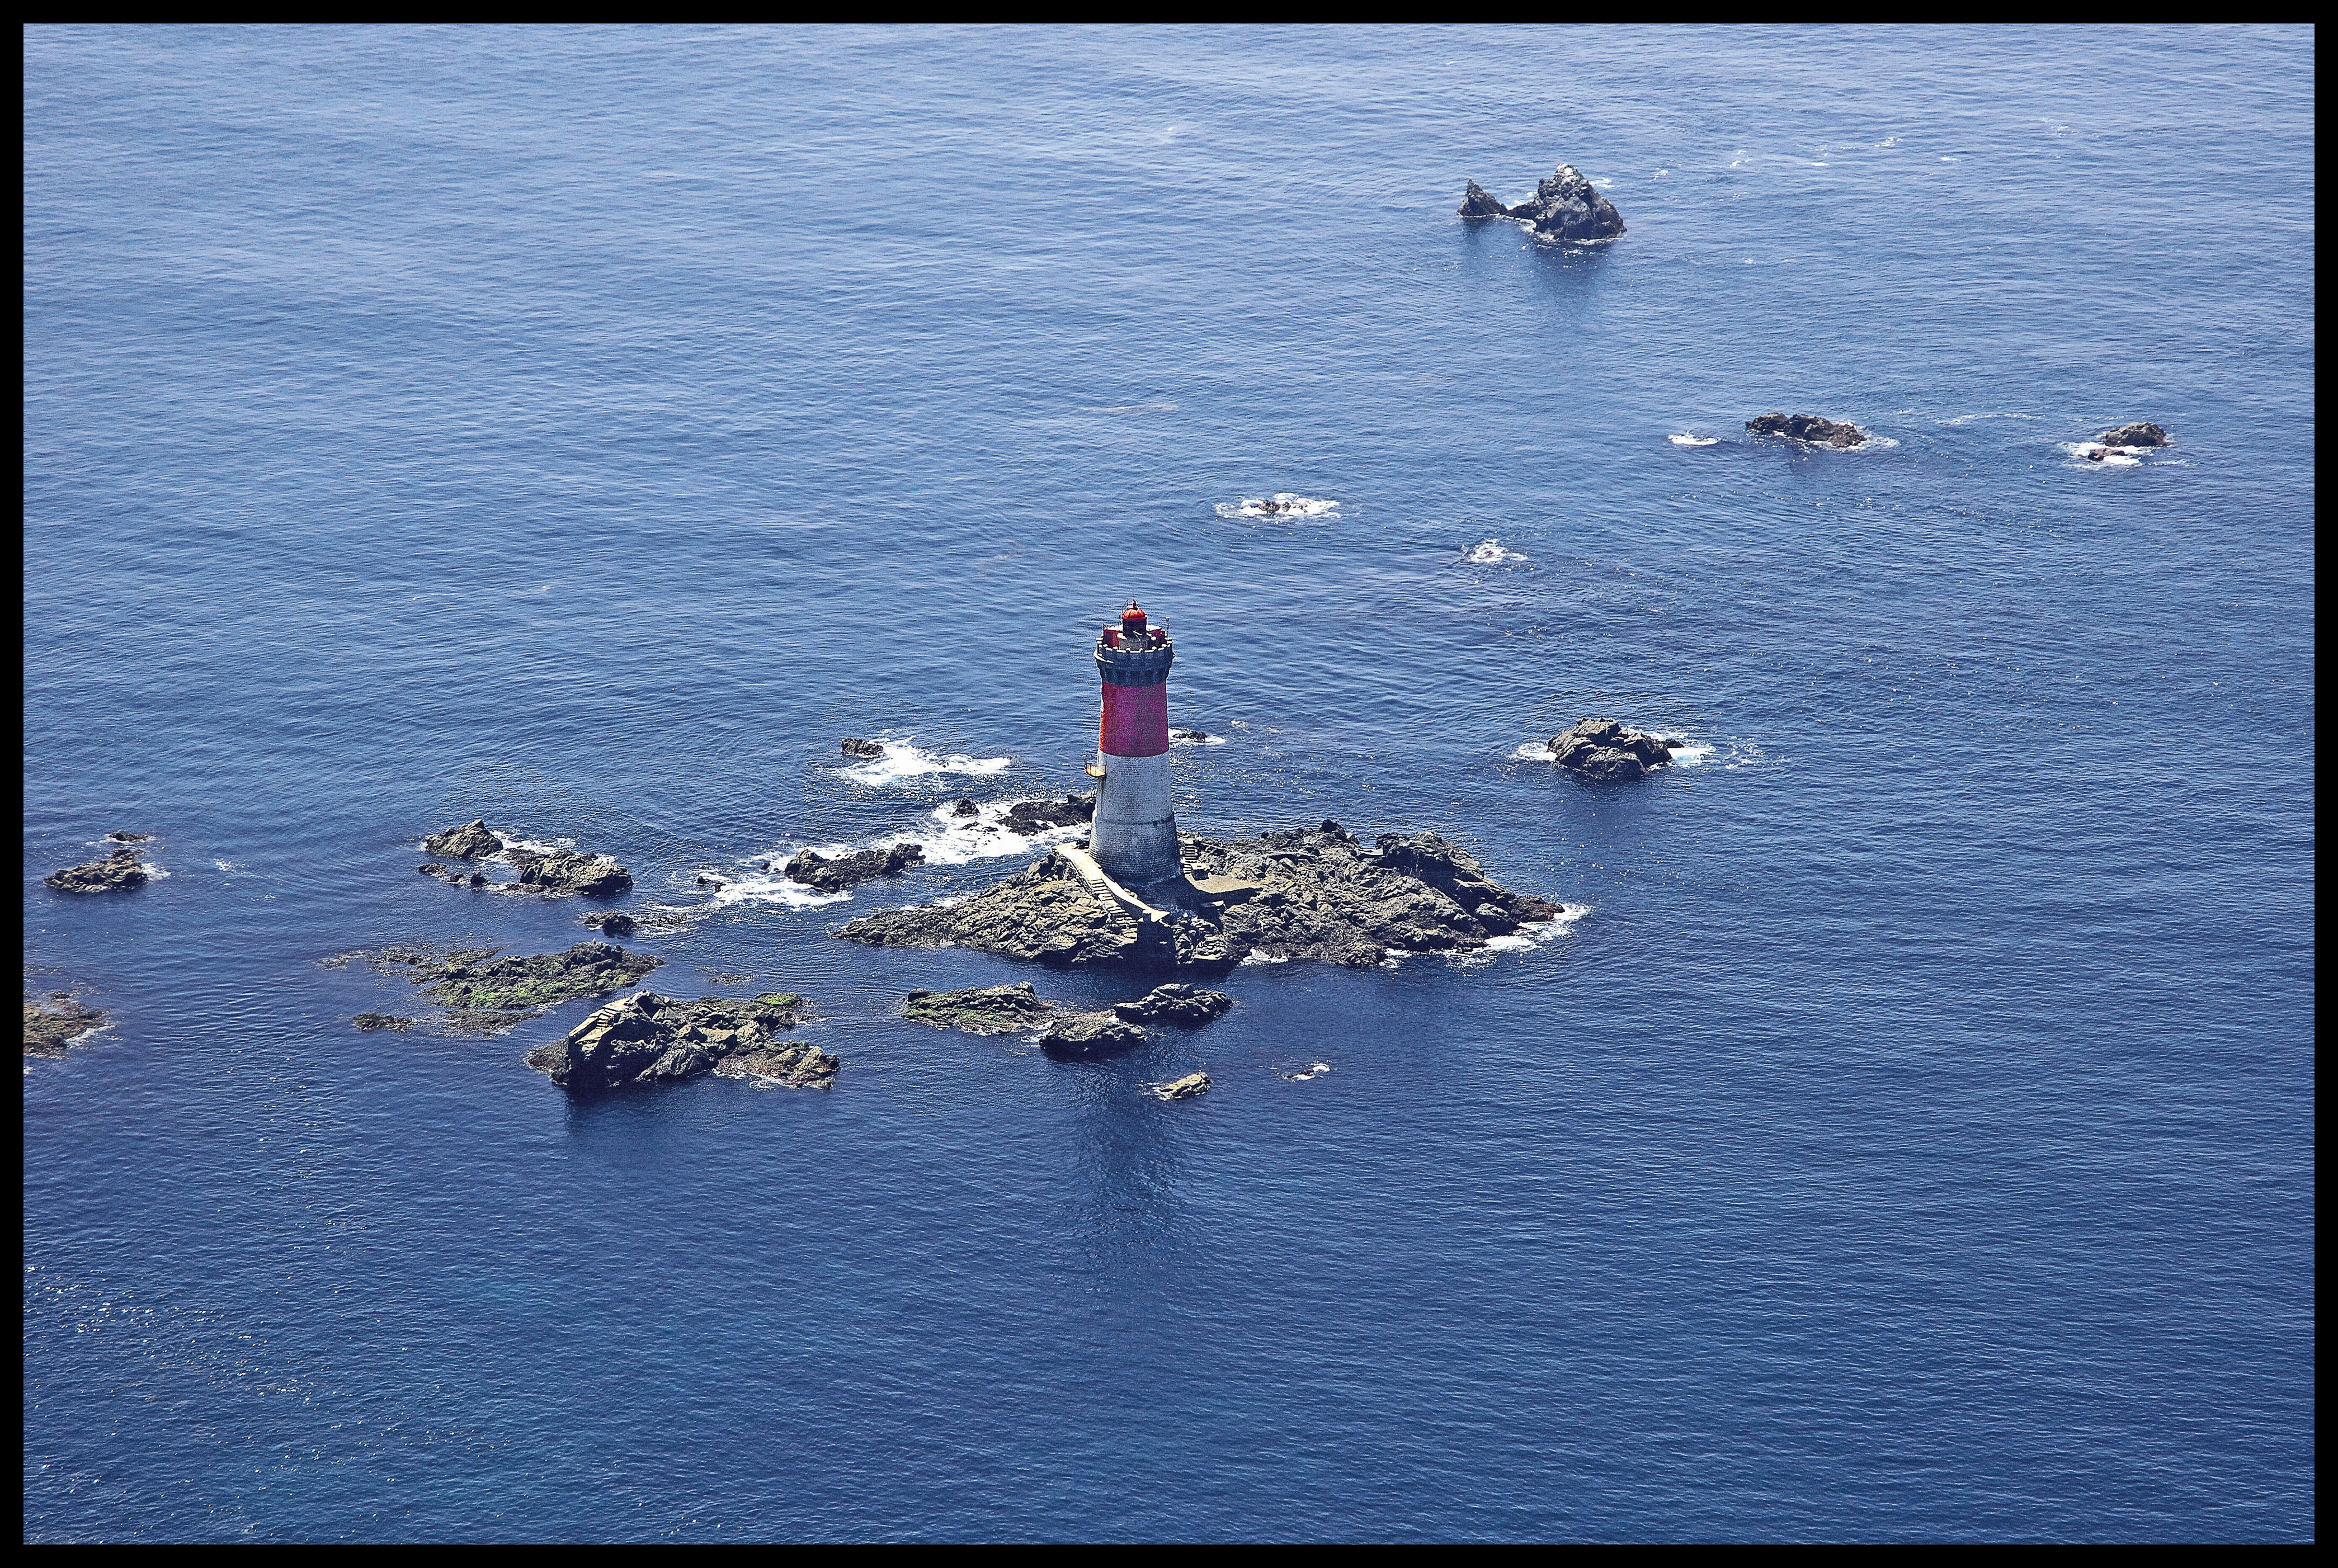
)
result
[(1186, 1088), (54, 1024), (652, 1039), (1029, 817), (117, 873), (1188, 1006), (485, 993), (1295, 894), (849, 870), (2142, 433), (856, 747), (471, 841), (1808, 428), (1565, 207), (1604, 751), (980, 1009), (122, 836), (369, 1022)]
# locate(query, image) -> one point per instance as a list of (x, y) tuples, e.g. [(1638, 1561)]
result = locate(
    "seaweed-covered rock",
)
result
[(486, 993), (856, 747), (980, 1009), (651, 1039), (2142, 433), (116, 873), (1083, 1035), (1603, 750), (1186, 1088), (564, 871), (834, 875), (1029, 817), (1808, 428), (471, 841), (1295, 894), (1188, 1006), (54, 1023)]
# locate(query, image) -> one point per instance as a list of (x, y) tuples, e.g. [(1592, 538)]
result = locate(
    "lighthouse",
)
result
[(1134, 837)]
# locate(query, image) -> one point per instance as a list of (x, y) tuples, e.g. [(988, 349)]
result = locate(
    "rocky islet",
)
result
[(1604, 751), (1566, 207), (1065, 1032), (117, 872), (647, 1039), (54, 1024), (485, 993), (1809, 430)]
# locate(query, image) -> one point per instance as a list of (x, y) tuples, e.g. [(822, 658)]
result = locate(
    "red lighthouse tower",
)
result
[(1135, 837)]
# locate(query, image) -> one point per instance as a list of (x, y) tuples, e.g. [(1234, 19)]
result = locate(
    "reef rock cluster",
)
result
[(117, 872), (1807, 428), (558, 872), (1604, 751), (1064, 1032), (1565, 207), (1300, 893), (650, 1039)]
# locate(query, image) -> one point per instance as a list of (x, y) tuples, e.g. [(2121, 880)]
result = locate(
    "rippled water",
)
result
[(586, 429)]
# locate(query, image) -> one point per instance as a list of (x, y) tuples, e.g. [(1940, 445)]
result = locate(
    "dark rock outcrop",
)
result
[(1295, 894), (1029, 817), (856, 747), (610, 923), (471, 841), (1604, 751), (1081, 1036), (965, 806), (651, 1039), (1186, 1088), (849, 870), (980, 1009), (2142, 433), (1808, 428), (432, 869), (1566, 207), (54, 1024), (1188, 1006), (122, 836), (564, 871), (369, 1022), (117, 873)]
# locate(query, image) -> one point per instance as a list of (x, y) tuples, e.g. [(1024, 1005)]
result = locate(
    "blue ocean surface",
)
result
[(586, 430)]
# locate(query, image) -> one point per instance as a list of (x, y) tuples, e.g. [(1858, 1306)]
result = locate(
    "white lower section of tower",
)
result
[(1135, 837)]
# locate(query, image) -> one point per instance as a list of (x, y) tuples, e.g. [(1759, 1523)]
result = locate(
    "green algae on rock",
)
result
[(485, 993)]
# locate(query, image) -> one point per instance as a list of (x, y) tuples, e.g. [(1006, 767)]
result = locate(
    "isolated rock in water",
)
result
[(1029, 817), (389, 1021), (1294, 893), (1176, 1003), (1197, 737), (485, 993), (2137, 434), (431, 869), (53, 1024), (980, 1009), (117, 873), (1184, 1088), (855, 747), (1476, 203), (965, 806), (849, 870), (1081, 1035), (471, 841), (564, 871), (1604, 751), (1807, 428), (610, 923), (651, 1039), (123, 837)]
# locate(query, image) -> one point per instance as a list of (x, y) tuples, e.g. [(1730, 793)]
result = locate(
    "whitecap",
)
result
[(1692, 756), (903, 760), (1312, 1070), (1533, 751), (1287, 507), (1490, 552), (1685, 439), (768, 888), (1266, 958), (1530, 935)]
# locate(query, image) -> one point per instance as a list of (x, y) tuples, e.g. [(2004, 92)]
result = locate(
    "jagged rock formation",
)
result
[(369, 1022), (1186, 1088), (485, 993), (53, 1025), (1566, 207), (116, 873), (1808, 428), (1029, 817), (1295, 894), (849, 870), (2143, 434), (1187, 1007), (471, 841), (1604, 751), (981, 1009), (1018, 1008), (856, 747), (1082, 1035), (651, 1039), (610, 923)]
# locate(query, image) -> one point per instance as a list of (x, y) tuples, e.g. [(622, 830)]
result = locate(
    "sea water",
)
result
[(1912, 1138)]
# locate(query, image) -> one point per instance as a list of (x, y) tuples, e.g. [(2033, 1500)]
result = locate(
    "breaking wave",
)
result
[(1685, 439), (1490, 552), (902, 759), (1282, 507), (1524, 939)]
